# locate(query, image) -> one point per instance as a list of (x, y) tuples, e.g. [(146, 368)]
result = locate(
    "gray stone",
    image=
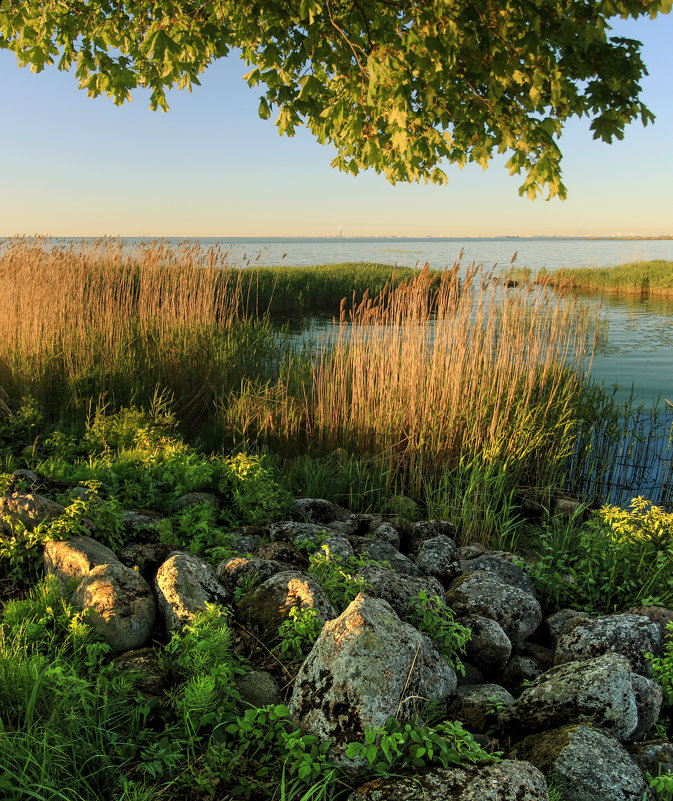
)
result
[(266, 607), (439, 557), (121, 604), (504, 569), (337, 545), (424, 530), (382, 551), (197, 499), (183, 585), (366, 666), (76, 557), (557, 623), (489, 647), (146, 556), (387, 533), (472, 550), (143, 664), (659, 615), (566, 506), (584, 764), (652, 756), (507, 780), (597, 691), (28, 509), (242, 572), (258, 688), (396, 589), (630, 635), (140, 523), (543, 657), (291, 531), (477, 706), (318, 510), (519, 673), (485, 593), (649, 696)]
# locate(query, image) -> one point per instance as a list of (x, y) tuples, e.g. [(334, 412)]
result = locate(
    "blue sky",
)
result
[(75, 166)]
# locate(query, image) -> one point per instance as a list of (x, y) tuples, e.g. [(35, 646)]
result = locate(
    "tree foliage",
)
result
[(397, 85)]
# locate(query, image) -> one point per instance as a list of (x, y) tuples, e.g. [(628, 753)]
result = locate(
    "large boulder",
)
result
[(598, 691), (477, 706), (76, 557), (122, 607), (556, 623), (584, 764), (649, 696), (439, 557), (183, 585), (318, 510), (398, 590), (502, 565), (507, 780), (243, 573), (267, 606), (382, 551), (365, 667), (28, 509), (484, 593), (419, 532), (652, 756), (633, 636)]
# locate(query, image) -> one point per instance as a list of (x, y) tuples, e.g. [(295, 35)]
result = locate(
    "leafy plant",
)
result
[(298, 632), (662, 669), (662, 786), (338, 576), (254, 490), (389, 747), (433, 617)]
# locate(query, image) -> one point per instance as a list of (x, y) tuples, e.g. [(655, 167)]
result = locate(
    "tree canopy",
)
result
[(397, 85)]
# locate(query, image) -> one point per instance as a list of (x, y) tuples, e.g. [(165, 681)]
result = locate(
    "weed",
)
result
[(431, 616), (299, 632)]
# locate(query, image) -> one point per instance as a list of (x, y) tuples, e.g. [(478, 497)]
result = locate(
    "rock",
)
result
[(76, 557), (477, 706), (649, 696), (597, 691), (584, 764), (317, 510), (484, 593), (519, 673), (471, 551), (659, 615), (365, 667), (24, 480), (382, 551), (424, 530), (396, 589), (400, 506), (489, 647), (122, 604), (140, 524), (507, 780), (291, 531), (387, 533), (470, 674), (284, 552), (555, 624), (652, 756), (504, 569), (338, 545), (258, 688), (183, 585), (265, 607), (244, 573), (246, 539), (543, 657), (143, 663), (630, 635), (439, 557), (147, 557), (28, 509), (566, 506), (197, 499)]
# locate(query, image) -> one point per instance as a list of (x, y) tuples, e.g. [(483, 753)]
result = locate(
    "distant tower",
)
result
[(340, 231)]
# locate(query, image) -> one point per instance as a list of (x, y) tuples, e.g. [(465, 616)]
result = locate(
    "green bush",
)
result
[(433, 617)]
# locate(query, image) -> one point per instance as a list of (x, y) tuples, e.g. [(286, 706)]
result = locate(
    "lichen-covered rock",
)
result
[(388, 533), (246, 539), (652, 756), (140, 524), (519, 673), (489, 647), (543, 657), (143, 664), (245, 573), (146, 556), (123, 609), (76, 557), (318, 510), (423, 530), (439, 557), (183, 585), (382, 551), (584, 764), (597, 691), (396, 589), (28, 509), (555, 624), (630, 635), (292, 531), (197, 499), (484, 593), (258, 688), (366, 666), (648, 697), (477, 706), (338, 545), (265, 607), (472, 550), (508, 780), (284, 552), (659, 615), (502, 567)]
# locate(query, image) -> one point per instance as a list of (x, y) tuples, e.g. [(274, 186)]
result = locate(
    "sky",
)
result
[(76, 166)]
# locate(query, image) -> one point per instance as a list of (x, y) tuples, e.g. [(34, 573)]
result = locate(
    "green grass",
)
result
[(644, 279)]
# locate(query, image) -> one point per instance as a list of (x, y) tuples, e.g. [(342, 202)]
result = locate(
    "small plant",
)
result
[(662, 669), (338, 576), (256, 494), (299, 632), (662, 786), (389, 747), (431, 616)]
